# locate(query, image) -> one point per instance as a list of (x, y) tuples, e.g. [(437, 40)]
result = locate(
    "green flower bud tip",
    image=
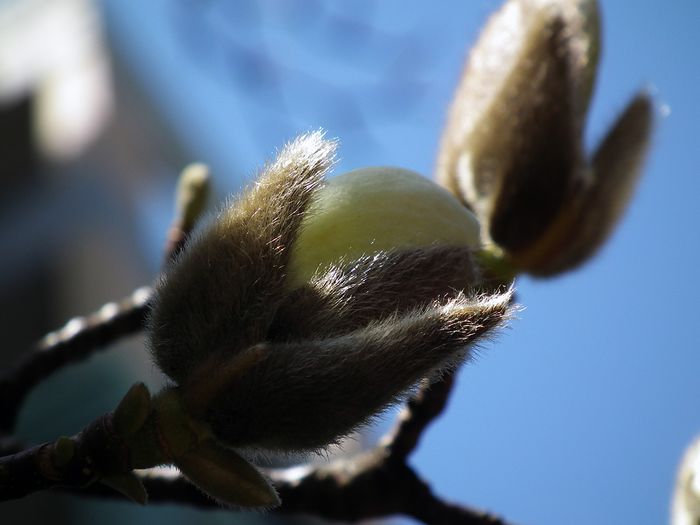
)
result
[(370, 210), (169, 431), (177, 431)]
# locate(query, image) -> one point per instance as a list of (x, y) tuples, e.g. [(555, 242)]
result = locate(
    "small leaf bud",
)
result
[(227, 477), (132, 411), (192, 193)]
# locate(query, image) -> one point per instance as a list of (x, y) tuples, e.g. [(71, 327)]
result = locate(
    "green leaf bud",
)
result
[(192, 193), (63, 451), (227, 477), (176, 431), (132, 411)]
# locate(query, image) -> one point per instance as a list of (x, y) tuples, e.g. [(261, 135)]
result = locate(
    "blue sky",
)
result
[(580, 411)]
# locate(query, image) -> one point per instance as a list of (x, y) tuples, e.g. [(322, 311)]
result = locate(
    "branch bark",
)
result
[(373, 484), (82, 336), (77, 340), (363, 488)]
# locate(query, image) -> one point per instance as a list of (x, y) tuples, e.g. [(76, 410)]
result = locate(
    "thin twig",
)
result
[(76, 341), (372, 484), (420, 410), (82, 336), (360, 488), (363, 487)]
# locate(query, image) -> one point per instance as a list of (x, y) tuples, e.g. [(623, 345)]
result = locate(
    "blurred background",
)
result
[(578, 414)]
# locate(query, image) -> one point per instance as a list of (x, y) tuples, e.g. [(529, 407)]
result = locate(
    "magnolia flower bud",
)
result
[(306, 307), (685, 509), (513, 148)]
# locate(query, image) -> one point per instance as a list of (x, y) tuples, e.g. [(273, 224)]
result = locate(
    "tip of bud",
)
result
[(227, 477), (591, 213), (192, 193)]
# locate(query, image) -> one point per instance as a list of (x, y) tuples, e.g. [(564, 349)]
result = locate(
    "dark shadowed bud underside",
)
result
[(307, 394), (513, 148)]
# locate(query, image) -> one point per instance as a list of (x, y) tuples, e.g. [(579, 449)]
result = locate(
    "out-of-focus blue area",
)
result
[(579, 413)]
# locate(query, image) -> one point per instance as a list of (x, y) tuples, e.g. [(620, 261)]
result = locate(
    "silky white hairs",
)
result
[(270, 367)]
